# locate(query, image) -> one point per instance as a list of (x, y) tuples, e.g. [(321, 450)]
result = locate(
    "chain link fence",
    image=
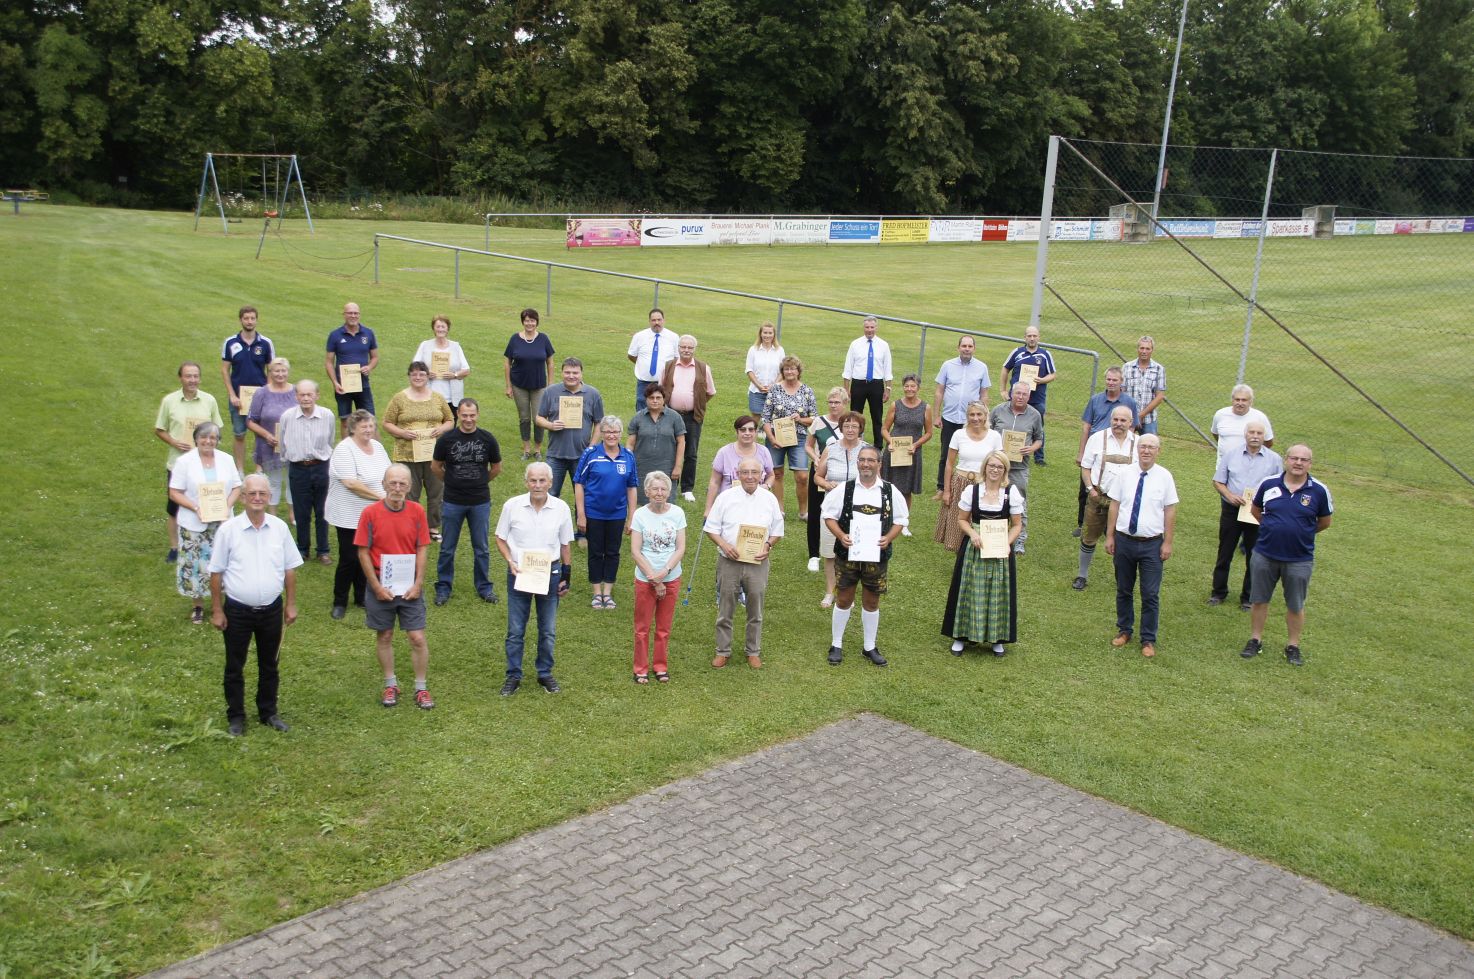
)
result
[(1337, 286)]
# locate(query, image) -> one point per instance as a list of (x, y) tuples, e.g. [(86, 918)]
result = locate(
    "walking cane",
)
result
[(694, 565)]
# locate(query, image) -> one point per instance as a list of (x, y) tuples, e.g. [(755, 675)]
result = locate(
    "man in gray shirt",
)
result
[(566, 444)]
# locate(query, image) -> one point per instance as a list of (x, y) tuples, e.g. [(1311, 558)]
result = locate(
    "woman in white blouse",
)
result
[(764, 359), (969, 446), (355, 479), (450, 382), (199, 467)]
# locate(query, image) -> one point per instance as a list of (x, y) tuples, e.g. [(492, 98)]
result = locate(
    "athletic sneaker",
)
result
[(1292, 653), (1251, 649), (391, 697), (423, 700)]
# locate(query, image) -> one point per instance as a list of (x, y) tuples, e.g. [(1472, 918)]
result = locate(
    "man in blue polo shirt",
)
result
[(1031, 354), (1292, 508), (243, 360), (351, 343)]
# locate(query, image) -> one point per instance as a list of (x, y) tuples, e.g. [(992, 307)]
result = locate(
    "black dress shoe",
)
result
[(1079, 584), (873, 655), (1244, 606), (237, 727), (548, 684), (490, 598), (836, 656), (338, 611), (510, 687), (1215, 600), (276, 723), (441, 597)]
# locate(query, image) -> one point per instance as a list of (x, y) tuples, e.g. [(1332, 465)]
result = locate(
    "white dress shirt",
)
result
[(1106, 459), (253, 561), (859, 355), (641, 345), (1157, 494), (527, 528), (735, 507)]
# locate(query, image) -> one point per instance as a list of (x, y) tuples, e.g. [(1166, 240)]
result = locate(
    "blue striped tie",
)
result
[(1136, 503)]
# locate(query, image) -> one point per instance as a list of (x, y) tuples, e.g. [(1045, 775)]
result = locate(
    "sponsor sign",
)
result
[(1228, 228), (1469, 224), (995, 230), (1104, 229), (910, 230), (1384, 226), (1023, 230), (1366, 226), (955, 229), (1402, 227), (599, 232), (1291, 228), (741, 231), (1345, 226), (853, 231), (1069, 230), (1252, 229), (664, 232), (800, 231), (1187, 227), (1455, 225)]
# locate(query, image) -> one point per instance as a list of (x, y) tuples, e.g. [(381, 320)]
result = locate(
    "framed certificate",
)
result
[(995, 538), (785, 432), (536, 572), (397, 572), (440, 363), (212, 502), (1029, 374), (901, 449), (350, 376), (246, 392), (752, 540), (1013, 446), (570, 411), (1246, 513), (423, 449), (190, 424)]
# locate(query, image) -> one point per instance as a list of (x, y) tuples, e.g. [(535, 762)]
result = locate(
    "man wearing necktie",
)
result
[(867, 375), (1139, 530), (649, 351)]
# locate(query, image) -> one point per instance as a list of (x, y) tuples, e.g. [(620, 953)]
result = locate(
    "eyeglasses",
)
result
[(748, 428)]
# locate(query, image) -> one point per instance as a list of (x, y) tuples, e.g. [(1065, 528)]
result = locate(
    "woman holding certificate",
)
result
[(965, 455), (448, 364), (355, 479), (763, 361), (268, 404), (604, 482), (907, 427), (416, 417), (982, 604), (657, 543), (838, 464), (788, 411), (204, 484)]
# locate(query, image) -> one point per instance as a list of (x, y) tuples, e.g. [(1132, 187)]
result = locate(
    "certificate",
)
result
[(397, 572), (1013, 446), (570, 411), (785, 432), (536, 572), (440, 363), (1246, 513), (864, 540), (190, 424), (1029, 374), (901, 449), (246, 392), (995, 538), (350, 376), (752, 540), (423, 449), (212, 502)]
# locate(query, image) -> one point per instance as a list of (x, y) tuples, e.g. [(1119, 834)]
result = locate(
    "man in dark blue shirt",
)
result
[(351, 343), (243, 361)]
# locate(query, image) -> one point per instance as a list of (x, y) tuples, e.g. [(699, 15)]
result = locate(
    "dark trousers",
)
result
[(948, 430), (1133, 558), (816, 501), (349, 571), (1083, 495), (870, 393), (242, 623), (605, 538), (310, 504), (1230, 532), (693, 444)]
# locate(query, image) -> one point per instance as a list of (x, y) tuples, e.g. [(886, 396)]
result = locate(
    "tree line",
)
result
[(927, 106)]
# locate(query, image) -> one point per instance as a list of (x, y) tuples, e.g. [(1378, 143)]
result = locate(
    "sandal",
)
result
[(609, 602), (662, 676), (827, 602), (641, 679), (598, 602)]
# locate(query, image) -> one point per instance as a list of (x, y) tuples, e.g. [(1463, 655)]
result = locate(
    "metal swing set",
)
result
[(276, 186)]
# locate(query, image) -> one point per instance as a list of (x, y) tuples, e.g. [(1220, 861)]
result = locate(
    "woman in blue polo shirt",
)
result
[(604, 483)]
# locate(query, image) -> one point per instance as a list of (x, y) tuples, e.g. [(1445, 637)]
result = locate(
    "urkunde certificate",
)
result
[(864, 540), (1029, 374), (901, 449), (535, 572), (423, 448), (350, 376), (1013, 446), (752, 541), (212, 502), (440, 363), (246, 392), (397, 572), (570, 411), (995, 538), (785, 432)]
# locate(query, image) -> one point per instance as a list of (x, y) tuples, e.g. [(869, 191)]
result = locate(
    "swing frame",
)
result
[(209, 180)]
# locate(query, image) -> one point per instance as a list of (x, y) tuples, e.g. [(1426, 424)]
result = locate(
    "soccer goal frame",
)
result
[(282, 192)]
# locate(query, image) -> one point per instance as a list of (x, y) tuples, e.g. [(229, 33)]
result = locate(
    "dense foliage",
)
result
[(842, 105)]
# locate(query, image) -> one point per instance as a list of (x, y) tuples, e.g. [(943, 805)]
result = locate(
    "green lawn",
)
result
[(133, 833)]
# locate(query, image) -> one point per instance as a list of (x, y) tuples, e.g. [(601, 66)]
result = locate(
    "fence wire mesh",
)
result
[(1361, 343)]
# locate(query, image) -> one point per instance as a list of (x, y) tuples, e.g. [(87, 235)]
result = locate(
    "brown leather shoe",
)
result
[(718, 662), (1148, 650), (1122, 638), (756, 662)]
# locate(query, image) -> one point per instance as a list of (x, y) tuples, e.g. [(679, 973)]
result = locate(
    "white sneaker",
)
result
[(813, 564), (905, 531), (689, 497)]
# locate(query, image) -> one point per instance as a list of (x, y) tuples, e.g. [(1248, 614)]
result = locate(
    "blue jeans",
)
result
[(640, 387), (519, 607), (560, 468), (479, 518), (1149, 428), (1135, 557), (755, 402), (310, 499)]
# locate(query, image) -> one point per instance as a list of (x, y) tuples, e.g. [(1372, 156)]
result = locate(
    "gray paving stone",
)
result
[(867, 849)]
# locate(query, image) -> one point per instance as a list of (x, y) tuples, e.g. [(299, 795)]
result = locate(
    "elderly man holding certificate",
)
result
[(982, 603), (533, 533), (745, 522), (1139, 530), (864, 517), (392, 540), (1239, 473)]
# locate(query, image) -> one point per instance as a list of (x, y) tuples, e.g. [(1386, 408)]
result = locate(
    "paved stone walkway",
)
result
[(865, 849)]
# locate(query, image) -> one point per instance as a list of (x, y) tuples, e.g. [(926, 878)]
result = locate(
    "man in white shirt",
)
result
[(649, 351), (1229, 423), (961, 381), (1107, 456), (867, 374), (746, 504), (534, 521), (252, 563), (1139, 531), (307, 444), (866, 509)]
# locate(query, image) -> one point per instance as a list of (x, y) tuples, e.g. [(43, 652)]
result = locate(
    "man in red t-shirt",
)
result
[(393, 536)]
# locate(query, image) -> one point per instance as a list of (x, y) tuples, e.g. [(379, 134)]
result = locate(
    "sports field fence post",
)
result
[(458, 274), (1046, 211), (549, 309), (1258, 261), (778, 327)]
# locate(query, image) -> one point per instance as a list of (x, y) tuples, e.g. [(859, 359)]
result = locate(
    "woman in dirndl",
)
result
[(982, 604)]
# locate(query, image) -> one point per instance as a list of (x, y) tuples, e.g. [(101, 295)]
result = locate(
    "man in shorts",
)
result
[(866, 509), (1292, 508), (393, 537)]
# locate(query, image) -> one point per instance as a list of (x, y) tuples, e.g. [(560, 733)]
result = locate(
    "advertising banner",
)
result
[(665, 232), (599, 232), (910, 230), (1469, 224), (1454, 225), (1252, 229), (1366, 226), (1384, 226), (955, 229), (1104, 229), (1402, 226), (1023, 230), (800, 231), (1345, 226), (995, 230), (741, 231), (1229, 228), (1187, 227), (852, 232), (1069, 230), (1291, 228)]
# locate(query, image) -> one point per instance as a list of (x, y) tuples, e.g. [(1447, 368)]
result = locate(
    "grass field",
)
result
[(133, 833)]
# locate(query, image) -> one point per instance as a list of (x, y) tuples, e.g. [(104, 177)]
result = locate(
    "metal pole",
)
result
[(458, 274), (1046, 211), (1167, 118), (302, 188), (657, 293), (778, 327), (487, 246), (1258, 261), (199, 204), (376, 259), (921, 358), (219, 202), (549, 309)]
